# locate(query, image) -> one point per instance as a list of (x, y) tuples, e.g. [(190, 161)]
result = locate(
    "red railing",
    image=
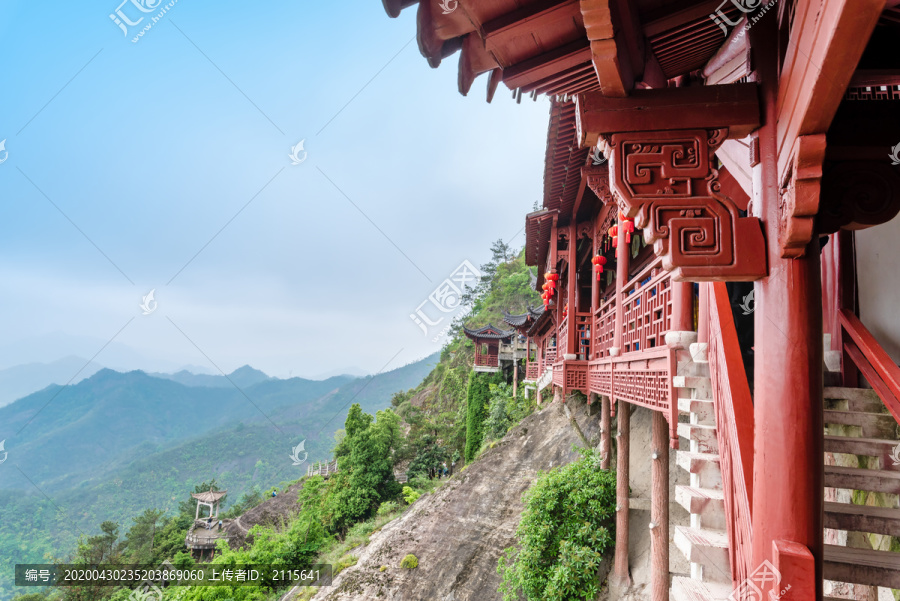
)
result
[(604, 326), (734, 427), (490, 359), (562, 337), (872, 360), (583, 335), (647, 306), (531, 371)]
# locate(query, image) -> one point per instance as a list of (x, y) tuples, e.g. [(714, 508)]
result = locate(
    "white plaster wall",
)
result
[(878, 272)]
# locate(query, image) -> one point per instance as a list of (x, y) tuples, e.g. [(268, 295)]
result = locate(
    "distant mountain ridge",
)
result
[(21, 380), (241, 377)]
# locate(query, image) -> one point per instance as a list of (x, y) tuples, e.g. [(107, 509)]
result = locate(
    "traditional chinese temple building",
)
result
[(716, 246)]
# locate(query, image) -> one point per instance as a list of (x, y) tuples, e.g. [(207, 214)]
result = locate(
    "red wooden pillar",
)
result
[(623, 261), (623, 436), (659, 509), (623, 433), (703, 314), (846, 299), (682, 306), (604, 432), (572, 287), (788, 494)]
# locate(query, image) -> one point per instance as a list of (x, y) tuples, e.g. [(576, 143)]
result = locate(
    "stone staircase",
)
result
[(705, 542), (862, 494), (862, 463)]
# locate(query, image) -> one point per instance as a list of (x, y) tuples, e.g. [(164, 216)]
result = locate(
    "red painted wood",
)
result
[(788, 479), (734, 427), (659, 509), (732, 106), (797, 567), (873, 361), (623, 438)]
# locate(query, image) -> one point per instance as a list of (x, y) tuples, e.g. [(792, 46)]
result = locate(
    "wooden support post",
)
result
[(703, 315), (595, 289), (682, 306), (659, 509), (623, 261), (515, 370), (788, 445), (620, 567), (572, 287), (604, 432)]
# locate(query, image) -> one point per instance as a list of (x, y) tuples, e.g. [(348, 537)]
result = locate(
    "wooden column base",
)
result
[(620, 575)]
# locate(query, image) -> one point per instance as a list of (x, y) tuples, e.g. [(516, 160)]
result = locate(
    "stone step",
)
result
[(699, 383), (706, 547), (700, 500), (693, 463), (703, 435), (701, 411), (858, 399), (855, 478), (871, 447), (873, 425), (687, 589), (686, 405), (862, 518), (862, 566)]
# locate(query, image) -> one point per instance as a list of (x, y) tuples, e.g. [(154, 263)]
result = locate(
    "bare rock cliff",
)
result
[(459, 532)]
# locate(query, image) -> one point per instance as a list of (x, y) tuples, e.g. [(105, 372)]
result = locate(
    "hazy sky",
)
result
[(164, 164)]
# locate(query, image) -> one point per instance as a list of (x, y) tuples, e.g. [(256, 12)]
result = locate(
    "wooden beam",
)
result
[(547, 64), (617, 44), (525, 22), (733, 106), (827, 41)]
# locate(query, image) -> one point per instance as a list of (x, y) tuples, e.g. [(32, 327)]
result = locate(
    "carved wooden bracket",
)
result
[(666, 181), (857, 195), (800, 191), (598, 181)]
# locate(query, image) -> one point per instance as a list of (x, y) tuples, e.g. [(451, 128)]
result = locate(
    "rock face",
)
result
[(274, 511), (459, 532)]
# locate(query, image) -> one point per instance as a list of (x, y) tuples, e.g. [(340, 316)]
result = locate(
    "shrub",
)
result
[(388, 507), (409, 562), (477, 397), (345, 562), (566, 528), (410, 496)]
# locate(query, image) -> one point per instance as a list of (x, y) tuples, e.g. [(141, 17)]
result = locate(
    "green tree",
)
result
[(139, 541), (477, 398), (566, 529), (428, 460), (365, 474)]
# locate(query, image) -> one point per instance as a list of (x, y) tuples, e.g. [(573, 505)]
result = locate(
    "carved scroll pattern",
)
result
[(666, 181)]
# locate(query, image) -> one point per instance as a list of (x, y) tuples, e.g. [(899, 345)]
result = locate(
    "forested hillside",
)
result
[(423, 429)]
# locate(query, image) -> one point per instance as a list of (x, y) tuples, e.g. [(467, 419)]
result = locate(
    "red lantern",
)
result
[(614, 234), (599, 261), (628, 224)]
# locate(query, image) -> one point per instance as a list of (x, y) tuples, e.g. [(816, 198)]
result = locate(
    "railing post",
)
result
[(682, 306)]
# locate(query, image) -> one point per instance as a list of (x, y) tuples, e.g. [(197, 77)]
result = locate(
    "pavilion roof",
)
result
[(526, 318), (209, 497), (488, 332), (541, 323), (544, 46)]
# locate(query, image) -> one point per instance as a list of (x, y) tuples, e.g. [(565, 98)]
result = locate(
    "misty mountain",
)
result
[(242, 377), (21, 380)]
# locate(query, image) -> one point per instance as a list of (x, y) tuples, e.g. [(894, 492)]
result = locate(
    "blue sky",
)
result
[(127, 159)]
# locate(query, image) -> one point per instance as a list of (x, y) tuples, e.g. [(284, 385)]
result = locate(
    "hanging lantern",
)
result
[(614, 234), (599, 261), (545, 286), (628, 225), (552, 277)]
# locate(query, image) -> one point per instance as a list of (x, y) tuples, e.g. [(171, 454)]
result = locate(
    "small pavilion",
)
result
[(206, 529)]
